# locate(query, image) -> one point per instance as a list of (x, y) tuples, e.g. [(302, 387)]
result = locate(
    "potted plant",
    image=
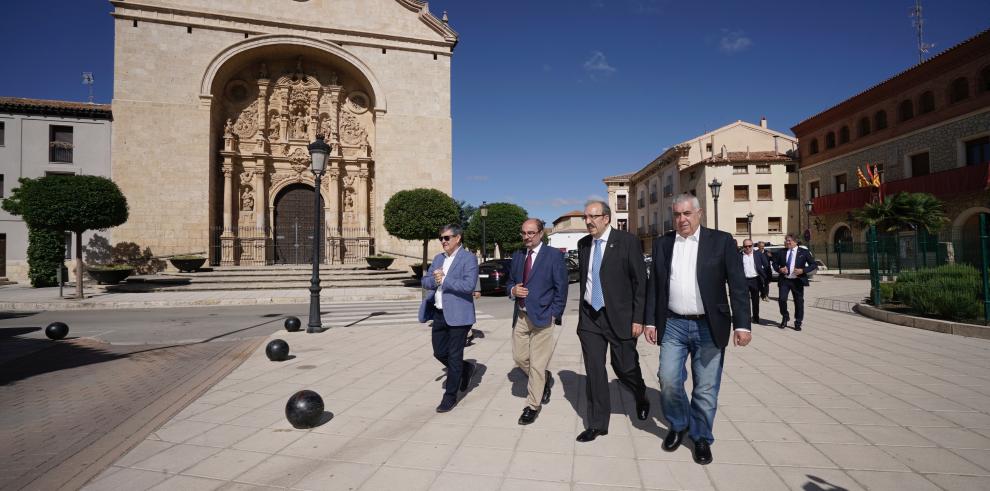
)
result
[(418, 269), (109, 274), (188, 263), (379, 261)]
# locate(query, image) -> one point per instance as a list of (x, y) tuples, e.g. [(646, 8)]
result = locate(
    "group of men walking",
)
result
[(700, 293)]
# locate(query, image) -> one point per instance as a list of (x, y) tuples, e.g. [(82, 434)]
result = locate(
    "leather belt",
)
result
[(698, 317)]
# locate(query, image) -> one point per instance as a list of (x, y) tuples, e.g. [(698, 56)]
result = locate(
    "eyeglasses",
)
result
[(748, 246), (446, 238), (525, 233), (592, 217)]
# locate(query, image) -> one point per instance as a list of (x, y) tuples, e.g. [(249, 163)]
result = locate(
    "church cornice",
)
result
[(150, 11)]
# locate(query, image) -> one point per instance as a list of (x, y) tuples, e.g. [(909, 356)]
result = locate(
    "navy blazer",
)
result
[(458, 289), (804, 260), (547, 285), (762, 265), (623, 277)]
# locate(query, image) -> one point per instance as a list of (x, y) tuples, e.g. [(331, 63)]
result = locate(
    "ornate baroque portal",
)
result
[(268, 113)]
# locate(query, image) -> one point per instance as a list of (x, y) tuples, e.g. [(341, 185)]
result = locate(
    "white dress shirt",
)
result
[(438, 298), (591, 263), (685, 294), (749, 266)]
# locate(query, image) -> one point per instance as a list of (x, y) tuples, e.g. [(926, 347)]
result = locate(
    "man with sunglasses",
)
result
[(538, 285), (449, 303), (757, 276)]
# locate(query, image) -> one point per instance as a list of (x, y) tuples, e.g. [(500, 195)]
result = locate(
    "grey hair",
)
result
[(606, 210), (454, 229), (682, 198)]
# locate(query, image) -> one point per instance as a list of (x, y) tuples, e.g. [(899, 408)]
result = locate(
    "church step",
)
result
[(134, 287), (290, 273)]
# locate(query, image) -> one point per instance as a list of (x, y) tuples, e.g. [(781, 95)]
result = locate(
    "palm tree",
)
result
[(902, 212)]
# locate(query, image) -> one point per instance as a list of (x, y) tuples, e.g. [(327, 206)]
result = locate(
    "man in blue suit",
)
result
[(538, 285), (449, 303), (793, 264)]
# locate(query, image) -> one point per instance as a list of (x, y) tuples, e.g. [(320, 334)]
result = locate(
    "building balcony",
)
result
[(60, 152), (653, 197), (944, 184)]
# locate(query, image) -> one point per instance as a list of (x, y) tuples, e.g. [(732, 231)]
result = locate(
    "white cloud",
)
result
[(597, 65), (734, 41), (476, 178), (596, 197)]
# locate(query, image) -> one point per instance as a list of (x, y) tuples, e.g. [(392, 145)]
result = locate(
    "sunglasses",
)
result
[(748, 246), (446, 238)]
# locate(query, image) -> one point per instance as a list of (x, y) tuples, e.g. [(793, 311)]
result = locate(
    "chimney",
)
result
[(725, 153), (775, 151), (763, 121)]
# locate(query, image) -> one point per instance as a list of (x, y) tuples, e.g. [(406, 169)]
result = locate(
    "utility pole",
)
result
[(919, 26)]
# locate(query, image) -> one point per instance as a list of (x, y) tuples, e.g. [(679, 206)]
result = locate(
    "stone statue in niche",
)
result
[(247, 200), (274, 127), (299, 128), (228, 129), (246, 177), (349, 200)]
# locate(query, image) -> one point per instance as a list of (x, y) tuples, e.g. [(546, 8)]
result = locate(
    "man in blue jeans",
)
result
[(689, 314), (449, 303)]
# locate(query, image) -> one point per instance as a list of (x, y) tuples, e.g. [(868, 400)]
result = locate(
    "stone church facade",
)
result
[(215, 102)]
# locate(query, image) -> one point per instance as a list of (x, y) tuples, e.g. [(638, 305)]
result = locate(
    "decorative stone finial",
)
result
[(444, 18)]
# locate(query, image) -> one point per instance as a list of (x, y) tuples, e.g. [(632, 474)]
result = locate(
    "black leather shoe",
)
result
[(673, 440), (528, 416), (546, 388), (702, 452), (643, 410), (466, 374), (756, 320), (590, 434), (797, 326), (446, 404), (783, 323)]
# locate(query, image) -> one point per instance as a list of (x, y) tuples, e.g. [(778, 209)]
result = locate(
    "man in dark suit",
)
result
[(793, 264), (613, 287), (761, 248), (538, 285), (688, 313), (757, 276)]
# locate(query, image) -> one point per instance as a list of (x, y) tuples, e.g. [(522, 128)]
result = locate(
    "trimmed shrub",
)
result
[(952, 291), (46, 256)]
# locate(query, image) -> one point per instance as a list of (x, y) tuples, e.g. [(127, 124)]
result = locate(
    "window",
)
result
[(814, 189), (693, 175), (790, 168), (790, 191), (863, 127), (708, 147), (668, 188), (740, 169), (764, 192), (830, 139), (642, 199), (840, 183), (926, 103), (623, 224), (920, 165), (56, 173), (773, 225), (60, 144), (742, 226), (1, 186), (977, 151), (813, 148), (959, 90), (2, 131), (653, 193), (620, 202), (905, 111), (880, 120), (741, 193), (763, 169), (68, 245), (844, 135)]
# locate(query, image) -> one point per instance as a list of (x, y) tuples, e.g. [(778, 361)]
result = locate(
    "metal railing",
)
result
[(60, 152)]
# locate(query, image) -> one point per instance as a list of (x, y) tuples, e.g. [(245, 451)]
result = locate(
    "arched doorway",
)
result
[(294, 224), (842, 238)]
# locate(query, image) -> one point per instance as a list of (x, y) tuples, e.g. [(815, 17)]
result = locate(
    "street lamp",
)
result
[(318, 152), (484, 214), (808, 205), (749, 225), (715, 186)]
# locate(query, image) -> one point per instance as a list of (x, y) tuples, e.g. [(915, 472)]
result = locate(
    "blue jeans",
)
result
[(681, 338)]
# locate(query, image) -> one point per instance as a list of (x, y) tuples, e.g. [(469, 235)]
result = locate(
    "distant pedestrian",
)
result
[(793, 263), (449, 303), (765, 291), (757, 276)]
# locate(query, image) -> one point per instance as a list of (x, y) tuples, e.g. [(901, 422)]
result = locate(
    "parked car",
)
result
[(493, 275), (573, 269)]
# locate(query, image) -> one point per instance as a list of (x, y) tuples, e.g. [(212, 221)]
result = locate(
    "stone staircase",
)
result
[(277, 277)]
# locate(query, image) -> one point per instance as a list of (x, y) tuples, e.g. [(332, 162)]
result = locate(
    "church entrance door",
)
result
[(294, 224)]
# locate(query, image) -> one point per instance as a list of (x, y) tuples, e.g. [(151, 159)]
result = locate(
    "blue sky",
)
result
[(551, 96)]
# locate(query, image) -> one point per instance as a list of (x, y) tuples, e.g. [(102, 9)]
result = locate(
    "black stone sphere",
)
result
[(56, 330), (292, 324), (304, 409), (277, 350)]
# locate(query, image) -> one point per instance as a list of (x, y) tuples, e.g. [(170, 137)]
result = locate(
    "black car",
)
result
[(493, 275)]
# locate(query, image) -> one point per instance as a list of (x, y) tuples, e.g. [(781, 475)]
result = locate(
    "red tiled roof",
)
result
[(620, 177), (20, 105)]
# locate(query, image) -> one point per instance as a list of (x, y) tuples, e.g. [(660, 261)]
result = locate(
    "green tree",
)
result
[(501, 228), (418, 214), (46, 256), (467, 211), (902, 212), (69, 202)]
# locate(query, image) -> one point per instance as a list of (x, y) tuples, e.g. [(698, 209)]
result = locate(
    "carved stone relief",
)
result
[(247, 199), (300, 160), (247, 122), (351, 131)]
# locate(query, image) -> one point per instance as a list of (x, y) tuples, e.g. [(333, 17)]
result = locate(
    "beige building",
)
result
[(567, 230), (755, 166), (215, 102), (618, 199)]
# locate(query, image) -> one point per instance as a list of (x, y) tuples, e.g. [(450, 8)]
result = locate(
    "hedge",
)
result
[(952, 291)]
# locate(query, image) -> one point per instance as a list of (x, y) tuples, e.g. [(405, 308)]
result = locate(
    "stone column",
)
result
[(260, 213), (362, 197), (227, 237)]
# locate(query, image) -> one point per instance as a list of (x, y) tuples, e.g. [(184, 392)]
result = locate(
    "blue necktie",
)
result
[(789, 252), (597, 298)]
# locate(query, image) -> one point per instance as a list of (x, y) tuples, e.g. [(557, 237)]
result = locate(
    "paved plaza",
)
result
[(848, 403)]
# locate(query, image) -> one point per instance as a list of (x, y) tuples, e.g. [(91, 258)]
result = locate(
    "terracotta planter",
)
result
[(109, 276), (188, 265)]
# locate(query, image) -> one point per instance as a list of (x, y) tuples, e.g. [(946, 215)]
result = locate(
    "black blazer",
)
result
[(623, 276), (803, 261), (719, 264), (762, 265)]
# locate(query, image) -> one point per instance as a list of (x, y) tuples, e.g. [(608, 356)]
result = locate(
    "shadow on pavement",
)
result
[(9, 332), (820, 484), (16, 315), (60, 355)]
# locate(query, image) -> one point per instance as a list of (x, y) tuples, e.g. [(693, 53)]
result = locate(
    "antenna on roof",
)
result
[(919, 25), (87, 79)]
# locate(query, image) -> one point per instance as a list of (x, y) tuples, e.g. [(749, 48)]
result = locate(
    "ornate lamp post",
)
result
[(484, 214), (715, 186), (808, 205), (749, 224), (318, 152)]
